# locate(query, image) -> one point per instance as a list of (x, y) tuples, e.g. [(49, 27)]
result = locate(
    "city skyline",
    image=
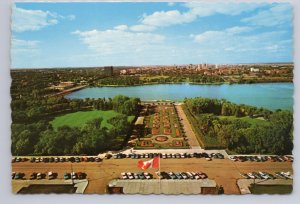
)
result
[(132, 34)]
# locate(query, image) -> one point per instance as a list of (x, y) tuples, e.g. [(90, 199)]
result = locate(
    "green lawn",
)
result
[(79, 119), (271, 189), (247, 119)]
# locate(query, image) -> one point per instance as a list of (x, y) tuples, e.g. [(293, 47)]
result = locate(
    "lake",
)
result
[(268, 95)]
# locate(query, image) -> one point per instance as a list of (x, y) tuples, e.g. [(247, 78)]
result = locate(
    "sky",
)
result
[(47, 35)]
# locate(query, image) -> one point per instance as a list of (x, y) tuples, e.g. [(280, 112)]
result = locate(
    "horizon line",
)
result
[(126, 66)]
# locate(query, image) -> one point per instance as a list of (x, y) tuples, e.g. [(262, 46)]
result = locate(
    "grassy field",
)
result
[(247, 119), (271, 189), (79, 119)]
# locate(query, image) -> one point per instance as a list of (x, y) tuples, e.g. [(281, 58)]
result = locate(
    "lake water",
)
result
[(268, 95)]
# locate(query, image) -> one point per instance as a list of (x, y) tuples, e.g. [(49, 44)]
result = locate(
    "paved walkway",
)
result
[(192, 140)]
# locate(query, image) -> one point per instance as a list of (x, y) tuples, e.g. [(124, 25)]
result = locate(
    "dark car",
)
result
[(178, 175), (172, 175), (19, 176), (220, 156), (165, 175), (81, 175), (204, 154), (33, 176), (97, 159), (67, 176)]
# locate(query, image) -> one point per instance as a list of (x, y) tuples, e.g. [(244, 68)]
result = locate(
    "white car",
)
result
[(73, 175), (287, 174), (263, 175), (184, 175), (251, 175), (123, 175), (39, 176), (190, 175), (50, 175), (129, 175), (147, 175), (244, 175), (232, 158), (195, 175)]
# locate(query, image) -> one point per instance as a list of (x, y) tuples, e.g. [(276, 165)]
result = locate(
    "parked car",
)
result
[(50, 175), (244, 175), (202, 175), (39, 176), (67, 176), (81, 175), (190, 175), (18, 175), (147, 175), (178, 175), (184, 175), (251, 175), (129, 175), (164, 175), (287, 175), (279, 175), (33, 176), (264, 175), (172, 175)]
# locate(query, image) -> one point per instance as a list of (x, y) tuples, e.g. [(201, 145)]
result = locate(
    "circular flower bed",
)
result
[(161, 138)]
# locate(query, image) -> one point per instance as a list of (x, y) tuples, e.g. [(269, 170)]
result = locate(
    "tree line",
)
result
[(32, 134), (272, 135)]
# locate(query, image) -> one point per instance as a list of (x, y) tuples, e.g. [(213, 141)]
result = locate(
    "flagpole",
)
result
[(159, 175)]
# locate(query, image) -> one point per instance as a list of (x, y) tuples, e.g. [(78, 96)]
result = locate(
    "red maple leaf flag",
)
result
[(153, 163)]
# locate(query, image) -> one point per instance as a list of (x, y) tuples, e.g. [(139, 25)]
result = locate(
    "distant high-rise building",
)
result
[(108, 71)]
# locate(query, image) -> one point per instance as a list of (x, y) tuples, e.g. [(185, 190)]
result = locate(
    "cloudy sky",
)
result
[(98, 34)]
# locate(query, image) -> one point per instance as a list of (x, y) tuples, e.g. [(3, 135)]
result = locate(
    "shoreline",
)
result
[(188, 83)]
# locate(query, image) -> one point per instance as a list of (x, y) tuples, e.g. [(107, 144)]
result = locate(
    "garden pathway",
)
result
[(191, 136)]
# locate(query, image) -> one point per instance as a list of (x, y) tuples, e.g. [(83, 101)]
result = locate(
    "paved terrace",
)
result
[(168, 187)]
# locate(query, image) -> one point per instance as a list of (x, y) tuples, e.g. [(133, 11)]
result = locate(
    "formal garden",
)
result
[(161, 129)]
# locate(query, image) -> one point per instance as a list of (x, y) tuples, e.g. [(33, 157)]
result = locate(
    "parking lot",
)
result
[(224, 171)]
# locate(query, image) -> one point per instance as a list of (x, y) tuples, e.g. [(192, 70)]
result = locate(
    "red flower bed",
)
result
[(177, 143), (177, 132), (167, 131), (154, 131), (146, 143), (161, 138)]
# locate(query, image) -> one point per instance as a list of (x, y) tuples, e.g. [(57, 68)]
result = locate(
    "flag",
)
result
[(153, 163)]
